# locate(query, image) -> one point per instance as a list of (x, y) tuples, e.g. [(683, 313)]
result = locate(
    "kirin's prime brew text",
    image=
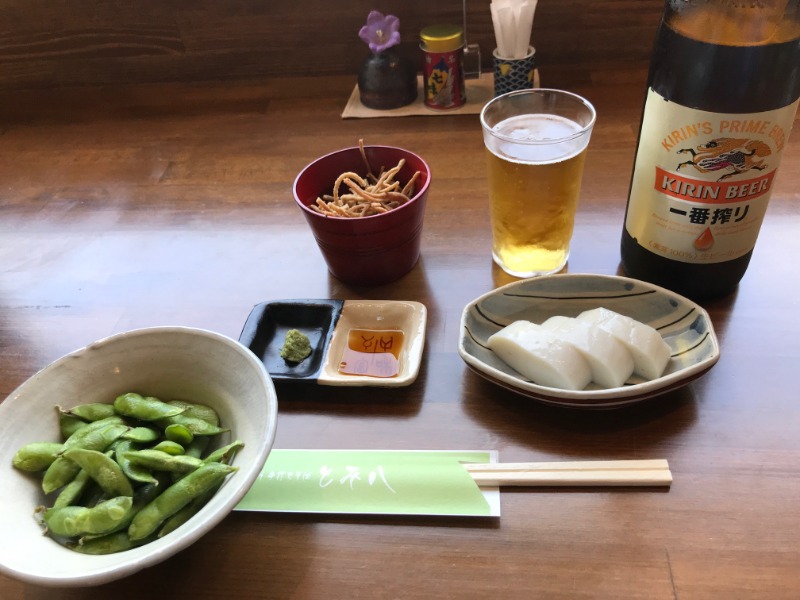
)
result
[(722, 95)]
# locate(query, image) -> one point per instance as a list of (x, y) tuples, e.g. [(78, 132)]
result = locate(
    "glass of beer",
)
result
[(536, 144)]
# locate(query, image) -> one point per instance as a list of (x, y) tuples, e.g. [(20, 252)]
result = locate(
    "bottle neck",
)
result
[(735, 22)]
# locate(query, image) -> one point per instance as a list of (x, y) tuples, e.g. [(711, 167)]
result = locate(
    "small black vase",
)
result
[(387, 80)]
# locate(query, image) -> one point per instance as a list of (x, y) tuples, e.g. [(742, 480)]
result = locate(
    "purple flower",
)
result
[(380, 32)]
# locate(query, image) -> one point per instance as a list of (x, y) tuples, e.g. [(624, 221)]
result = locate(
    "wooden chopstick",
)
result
[(653, 472)]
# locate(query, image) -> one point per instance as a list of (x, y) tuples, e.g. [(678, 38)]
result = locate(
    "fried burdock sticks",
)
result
[(368, 195)]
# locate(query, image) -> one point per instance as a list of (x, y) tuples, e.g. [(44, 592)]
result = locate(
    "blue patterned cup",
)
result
[(512, 74)]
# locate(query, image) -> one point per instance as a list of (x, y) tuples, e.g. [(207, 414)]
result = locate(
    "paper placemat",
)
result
[(390, 482), (479, 92)]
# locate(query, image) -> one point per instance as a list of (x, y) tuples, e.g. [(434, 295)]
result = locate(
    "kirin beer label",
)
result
[(702, 180)]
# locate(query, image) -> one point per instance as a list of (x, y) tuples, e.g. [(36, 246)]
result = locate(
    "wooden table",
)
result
[(125, 208)]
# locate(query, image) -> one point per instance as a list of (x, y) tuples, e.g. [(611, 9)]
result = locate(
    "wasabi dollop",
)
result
[(296, 347)]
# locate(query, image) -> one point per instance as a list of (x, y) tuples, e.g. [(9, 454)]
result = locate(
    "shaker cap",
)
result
[(442, 38)]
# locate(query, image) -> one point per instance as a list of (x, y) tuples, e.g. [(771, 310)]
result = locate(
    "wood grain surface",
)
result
[(60, 43), (124, 207)]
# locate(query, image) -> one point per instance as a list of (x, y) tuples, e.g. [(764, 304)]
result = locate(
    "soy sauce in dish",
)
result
[(374, 353)]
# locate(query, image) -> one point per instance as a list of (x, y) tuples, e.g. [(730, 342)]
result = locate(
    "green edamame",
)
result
[(36, 456), (187, 512), (72, 521), (198, 411), (91, 437), (71, 492), (195, 450), (161, 461), (93, 411), (144, 408), (69, 424), (88, 436), (134, 472), (175, 497), (142, 435), (193, 424), (157, 470), (198, 446), (103, 470), (141, 498), (179, 434), (172, 448), (59, 474), (110, 543), (76, 490), (224, 454)]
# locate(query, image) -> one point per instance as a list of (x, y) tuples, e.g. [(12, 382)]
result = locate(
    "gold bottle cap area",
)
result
[(442, 38)]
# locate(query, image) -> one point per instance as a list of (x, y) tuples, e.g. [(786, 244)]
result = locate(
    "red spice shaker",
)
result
[(443, 69)]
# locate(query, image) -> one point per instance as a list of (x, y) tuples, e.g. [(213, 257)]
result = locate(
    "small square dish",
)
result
[(683, 324), (353, 342)]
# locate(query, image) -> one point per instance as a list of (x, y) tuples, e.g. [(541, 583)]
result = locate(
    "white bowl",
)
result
[(166, 362)]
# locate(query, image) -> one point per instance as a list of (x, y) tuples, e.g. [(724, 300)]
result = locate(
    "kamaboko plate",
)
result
[(683, 324)]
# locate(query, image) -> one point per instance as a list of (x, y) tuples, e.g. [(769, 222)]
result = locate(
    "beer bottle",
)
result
[(722, 94)]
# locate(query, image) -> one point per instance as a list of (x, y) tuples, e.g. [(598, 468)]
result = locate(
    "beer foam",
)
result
[(537, 128), (533, 132)]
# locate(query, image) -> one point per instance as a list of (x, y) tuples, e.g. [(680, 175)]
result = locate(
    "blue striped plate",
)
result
[(683, 324)]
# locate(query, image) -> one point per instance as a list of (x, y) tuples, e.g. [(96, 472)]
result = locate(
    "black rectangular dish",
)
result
[(353, 342), (266, 327)]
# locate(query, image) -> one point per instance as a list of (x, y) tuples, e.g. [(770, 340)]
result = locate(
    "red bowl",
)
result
[(365, 250)]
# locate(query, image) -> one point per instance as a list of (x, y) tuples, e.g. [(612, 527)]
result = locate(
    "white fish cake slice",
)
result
[(540, 356), (649, 350), (610, 360)]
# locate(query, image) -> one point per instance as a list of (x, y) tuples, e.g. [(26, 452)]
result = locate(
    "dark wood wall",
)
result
[(52, 43)]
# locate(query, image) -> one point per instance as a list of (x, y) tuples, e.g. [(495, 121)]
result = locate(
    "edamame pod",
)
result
[(175, 497), (187, 512), (142, 435), (144, 408), (69, 424), (224, 454), (134, 472), (141, 498), (63, 470), (171, 448), (93, 411), (195, 449), (110, 543), (71, 492), (36, 456), (72, 521), (161, 461), (102, 456), (198, 411), (103, 470), (193, 424), (88, 436), (179, 434), (198, 446)]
